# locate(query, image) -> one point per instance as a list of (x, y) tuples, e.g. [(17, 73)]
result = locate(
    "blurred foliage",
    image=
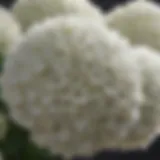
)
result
[(1, 62), (17, 144)]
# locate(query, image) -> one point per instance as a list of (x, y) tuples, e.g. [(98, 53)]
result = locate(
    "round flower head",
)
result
[(138, 21), (9, 30), (29, 12), (147, 127), (74, 85)]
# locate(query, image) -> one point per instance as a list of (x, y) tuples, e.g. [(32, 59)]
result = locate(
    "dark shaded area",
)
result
[(107, 5), (152, 153), (7, 3), (154, 149)]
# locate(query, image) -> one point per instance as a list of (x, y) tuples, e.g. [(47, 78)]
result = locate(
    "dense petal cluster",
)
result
[(148, 124), (9, 30), (138, 21), (29, 12), (74, 84)]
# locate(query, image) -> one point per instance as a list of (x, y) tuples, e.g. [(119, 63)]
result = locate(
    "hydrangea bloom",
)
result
[(29, 12), (139, 21), (147, 126), (74, 85), (9, 30)]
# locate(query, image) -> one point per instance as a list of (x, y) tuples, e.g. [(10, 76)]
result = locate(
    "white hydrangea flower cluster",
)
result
[(9, 30), (138, 21), (29, 12), (74, 85), (148, 124)]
